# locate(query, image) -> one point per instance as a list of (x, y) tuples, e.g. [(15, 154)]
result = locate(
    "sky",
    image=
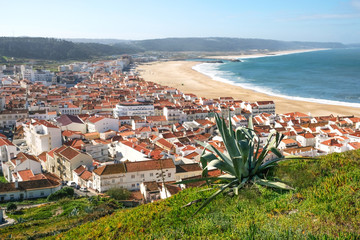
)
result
[(289, 20)]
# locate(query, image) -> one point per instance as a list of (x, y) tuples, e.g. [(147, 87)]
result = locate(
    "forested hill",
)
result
[(54, 49), (57, 49), (224, 44)]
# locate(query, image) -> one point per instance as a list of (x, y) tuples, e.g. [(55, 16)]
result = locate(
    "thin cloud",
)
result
[(356, 4), (322, 17), (329, 16)]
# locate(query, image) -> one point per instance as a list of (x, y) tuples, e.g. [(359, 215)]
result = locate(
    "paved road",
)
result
[(85, 194)]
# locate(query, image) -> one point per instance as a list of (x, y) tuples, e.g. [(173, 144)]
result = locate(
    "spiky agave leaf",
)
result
[(212, 197), (272, 184), (241, 162)]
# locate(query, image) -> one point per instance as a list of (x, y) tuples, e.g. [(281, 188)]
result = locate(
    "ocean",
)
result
[(327, 76)]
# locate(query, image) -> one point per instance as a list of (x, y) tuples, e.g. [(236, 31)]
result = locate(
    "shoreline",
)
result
[(260, 90), (181, 75), (266, 54)]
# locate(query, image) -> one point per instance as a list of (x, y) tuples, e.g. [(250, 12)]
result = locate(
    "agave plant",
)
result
[(243, 163)]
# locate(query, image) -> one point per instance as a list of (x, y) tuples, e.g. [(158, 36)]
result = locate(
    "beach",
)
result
[(180, 75), (264, 54)]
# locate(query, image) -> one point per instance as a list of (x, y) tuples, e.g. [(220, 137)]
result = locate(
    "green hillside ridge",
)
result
[(325, 205), (85, 49)]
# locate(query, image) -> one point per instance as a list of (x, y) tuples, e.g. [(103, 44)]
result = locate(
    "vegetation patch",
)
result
[(56, 217), (324, 205)]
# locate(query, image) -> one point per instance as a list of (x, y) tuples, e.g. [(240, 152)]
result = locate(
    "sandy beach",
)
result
[(256, 54), (179, 74)]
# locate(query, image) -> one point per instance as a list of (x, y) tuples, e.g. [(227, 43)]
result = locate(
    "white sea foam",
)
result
[(279, 54), (211, 70)]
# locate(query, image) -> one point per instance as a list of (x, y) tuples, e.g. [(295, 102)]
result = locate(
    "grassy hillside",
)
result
[(325, 205), (56, 217)]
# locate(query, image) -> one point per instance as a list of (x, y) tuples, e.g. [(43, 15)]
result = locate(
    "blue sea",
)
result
[(327, 76)]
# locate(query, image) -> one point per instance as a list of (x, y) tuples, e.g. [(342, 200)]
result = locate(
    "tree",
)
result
[(62, 193), (118, 193), (244, 162), (11, 207)]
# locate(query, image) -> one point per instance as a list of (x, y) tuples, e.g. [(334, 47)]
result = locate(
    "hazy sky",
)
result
[(304, 20)]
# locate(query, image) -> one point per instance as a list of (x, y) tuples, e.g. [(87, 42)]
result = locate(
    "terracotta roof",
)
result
[(69, 153), (24, 156), (355, 145), (191, 155), (75, 143), (95, 119), (86, 175), (188, 168), (149, 165), (165, 143), (26, 174), (44, 123), (27, 185), (5, 142), (110, 169), (79, 170), (152, 186), (65, 120), (156, 118), (172, 189), (42, 156)]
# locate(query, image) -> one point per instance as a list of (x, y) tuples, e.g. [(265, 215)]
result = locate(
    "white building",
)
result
[(174, 115), (266, 107), (7, 150), (22, 162), (130, 175), (306, 140), (28, 189), (41, 135), (102, 124), (72, 123), (98, 149), (68, 108), (133, 109), (8, 117)]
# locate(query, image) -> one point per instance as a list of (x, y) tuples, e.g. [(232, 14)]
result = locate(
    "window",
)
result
[(132, 185), (142, 175), (132, 176), (42, 194), (169, 174), (113, 181), (151, 174)]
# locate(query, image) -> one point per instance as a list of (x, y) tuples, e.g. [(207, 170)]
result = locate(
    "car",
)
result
[(84, 189), (71, 184)]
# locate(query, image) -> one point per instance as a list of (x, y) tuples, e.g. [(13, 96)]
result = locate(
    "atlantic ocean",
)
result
[(327, 76)]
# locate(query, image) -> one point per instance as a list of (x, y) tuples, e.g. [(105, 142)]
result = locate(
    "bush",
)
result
[(62, 193), (11, 207), (118, 193)]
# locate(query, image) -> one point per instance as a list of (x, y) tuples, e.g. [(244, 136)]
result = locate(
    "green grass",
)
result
[(325, 205), (2, 179), (27, 202), (55, 217)]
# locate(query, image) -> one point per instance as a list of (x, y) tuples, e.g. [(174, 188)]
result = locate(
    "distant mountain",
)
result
[(223, 44), (355, 45), (94, 40), (78, 49)]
